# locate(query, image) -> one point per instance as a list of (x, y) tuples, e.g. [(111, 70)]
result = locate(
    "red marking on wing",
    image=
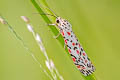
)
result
[(83, 67), (83, 54), (80, 58), (65, 41), (78, 66), (69, 50), (73, 59), (63, 33), (79, 45), (68, 33), (73, 44), (85, 61), (77, 51)]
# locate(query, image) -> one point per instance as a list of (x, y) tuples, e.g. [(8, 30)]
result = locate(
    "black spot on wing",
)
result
[(75, 48), (73, 56), (71, 41), (76, 43)]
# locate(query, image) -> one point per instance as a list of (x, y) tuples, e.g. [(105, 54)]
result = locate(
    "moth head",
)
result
[(60, 22)]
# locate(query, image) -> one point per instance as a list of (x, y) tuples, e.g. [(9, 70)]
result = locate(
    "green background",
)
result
[(96, 23)]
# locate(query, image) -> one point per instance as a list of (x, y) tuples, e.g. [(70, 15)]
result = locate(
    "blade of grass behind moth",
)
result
[(18, 37)]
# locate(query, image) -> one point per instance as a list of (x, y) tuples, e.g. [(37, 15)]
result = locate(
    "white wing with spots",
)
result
[(76, 51)]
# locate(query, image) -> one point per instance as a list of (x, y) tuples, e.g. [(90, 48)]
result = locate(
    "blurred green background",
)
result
[(96, 23)]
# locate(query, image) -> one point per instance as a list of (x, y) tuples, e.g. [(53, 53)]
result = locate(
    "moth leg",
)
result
[(56, 36), (51, 24), (64, 46), (58, 33)]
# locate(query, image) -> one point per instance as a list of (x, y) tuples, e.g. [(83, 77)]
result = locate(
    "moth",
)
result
[(78, 55)]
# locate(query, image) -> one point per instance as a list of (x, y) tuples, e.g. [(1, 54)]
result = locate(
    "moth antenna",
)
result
[(48, 9), (46, 14), (52, 11)]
